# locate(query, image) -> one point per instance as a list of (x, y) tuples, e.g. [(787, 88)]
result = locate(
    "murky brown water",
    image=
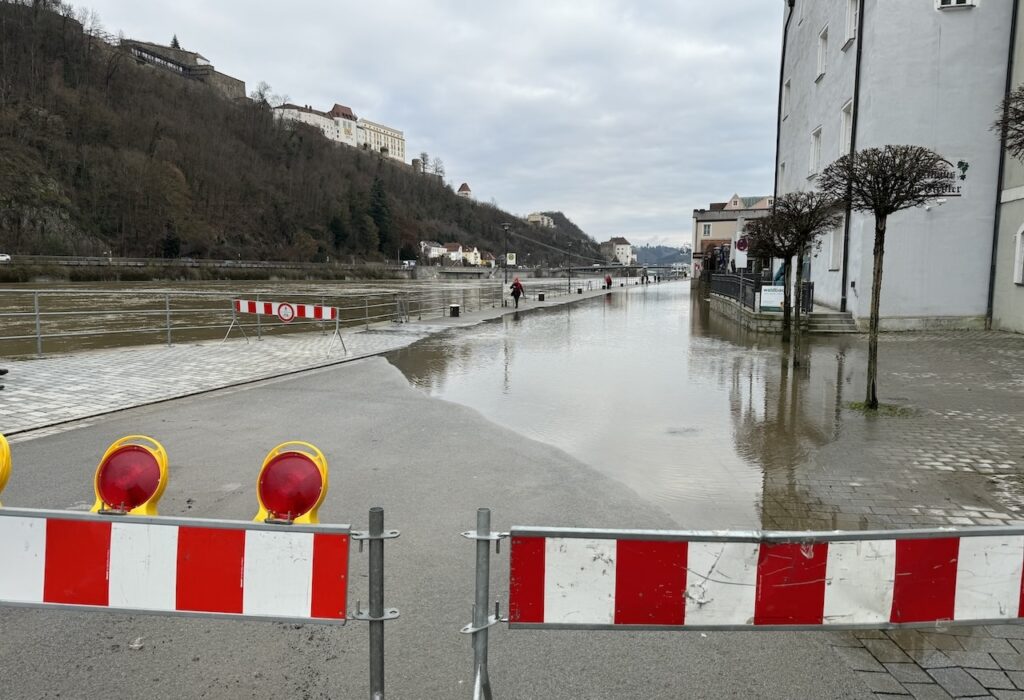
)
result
[(650, 388)]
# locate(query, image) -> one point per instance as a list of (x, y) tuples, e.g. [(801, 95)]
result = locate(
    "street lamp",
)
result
[(506, 227), (568, 266)]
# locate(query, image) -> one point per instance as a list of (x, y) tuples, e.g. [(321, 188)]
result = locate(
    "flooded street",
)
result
[(644, 387)]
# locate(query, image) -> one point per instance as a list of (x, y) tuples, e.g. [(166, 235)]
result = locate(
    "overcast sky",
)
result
[(625, 115)]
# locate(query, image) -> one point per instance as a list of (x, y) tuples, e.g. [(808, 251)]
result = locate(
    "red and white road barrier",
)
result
[(602, 579), (167, 565), (285, 311)]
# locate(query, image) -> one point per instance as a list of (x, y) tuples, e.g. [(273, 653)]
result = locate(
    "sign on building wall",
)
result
[(957, 187), (510, 258), (772, 297)]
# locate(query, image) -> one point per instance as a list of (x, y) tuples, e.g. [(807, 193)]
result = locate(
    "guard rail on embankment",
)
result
[(34, 322)]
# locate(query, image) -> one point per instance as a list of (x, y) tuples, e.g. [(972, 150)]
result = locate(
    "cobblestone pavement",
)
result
[(950, 454)]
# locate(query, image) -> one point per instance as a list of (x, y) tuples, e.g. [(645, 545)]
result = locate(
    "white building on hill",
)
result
[(342, 126)]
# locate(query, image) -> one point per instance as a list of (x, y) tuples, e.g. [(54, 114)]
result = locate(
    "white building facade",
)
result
[(338, 125), (382, 139), (542, 220), (866, 73)]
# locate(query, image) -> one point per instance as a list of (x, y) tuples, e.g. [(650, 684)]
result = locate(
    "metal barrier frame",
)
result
[(483, 536)]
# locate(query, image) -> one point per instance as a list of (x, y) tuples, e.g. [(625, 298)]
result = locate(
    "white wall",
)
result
[(931, 78)]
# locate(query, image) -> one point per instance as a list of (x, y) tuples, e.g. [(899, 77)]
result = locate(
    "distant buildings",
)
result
[(722, 223), (432, 250), (619, 250), (464, 191), (187, 64), (455, 254), (341, 125), (542, 220)]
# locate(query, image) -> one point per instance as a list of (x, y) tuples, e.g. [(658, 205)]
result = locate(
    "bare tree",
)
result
[(884, 181), (1010, 124), (805, 217), (794, 227), (437, 167)]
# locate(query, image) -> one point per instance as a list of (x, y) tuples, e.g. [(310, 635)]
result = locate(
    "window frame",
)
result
[(787, 97), (955, 4), (852, 21), (814, 157), (1018, 259), (846, 128), (822, 53), (705, 231)]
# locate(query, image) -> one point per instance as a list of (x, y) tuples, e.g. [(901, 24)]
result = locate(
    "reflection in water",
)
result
[(649, 388)]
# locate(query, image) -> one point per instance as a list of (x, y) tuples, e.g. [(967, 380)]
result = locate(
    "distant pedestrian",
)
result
[(607, 281), (517, 291), (2, 373)]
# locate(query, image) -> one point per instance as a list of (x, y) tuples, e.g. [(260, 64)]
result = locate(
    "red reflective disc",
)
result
[(128, 478), (290, 485)]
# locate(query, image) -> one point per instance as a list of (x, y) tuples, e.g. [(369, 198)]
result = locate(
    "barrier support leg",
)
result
[(337, 334), (481, 620), (234, 322), (376, 615)]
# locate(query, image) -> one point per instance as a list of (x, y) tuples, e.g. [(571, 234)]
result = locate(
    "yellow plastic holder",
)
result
[(131, 443)]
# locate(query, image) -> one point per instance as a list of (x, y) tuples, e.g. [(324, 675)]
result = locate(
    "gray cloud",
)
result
[(624, 115)]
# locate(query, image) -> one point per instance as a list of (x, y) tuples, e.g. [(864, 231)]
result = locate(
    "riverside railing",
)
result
[(64, 320), (745, 287)]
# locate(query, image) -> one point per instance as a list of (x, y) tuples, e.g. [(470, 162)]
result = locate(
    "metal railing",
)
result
[(63, 320), (744, 287)]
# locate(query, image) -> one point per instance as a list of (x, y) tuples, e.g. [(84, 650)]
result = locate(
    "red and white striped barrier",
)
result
[(285, 311), (602, 579), (167, 565)]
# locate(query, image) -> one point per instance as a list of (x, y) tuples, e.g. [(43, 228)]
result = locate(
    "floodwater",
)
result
[(646, 386)]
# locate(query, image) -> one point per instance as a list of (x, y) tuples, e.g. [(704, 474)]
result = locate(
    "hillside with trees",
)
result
[(99, 153)]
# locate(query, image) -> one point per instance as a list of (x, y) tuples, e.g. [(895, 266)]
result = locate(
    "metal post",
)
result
[(481, 681), (366, 312), (39, 333), (167, 309), (376, 603), (259, 329)]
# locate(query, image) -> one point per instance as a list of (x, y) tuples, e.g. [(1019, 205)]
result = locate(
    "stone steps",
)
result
[(831, 322)]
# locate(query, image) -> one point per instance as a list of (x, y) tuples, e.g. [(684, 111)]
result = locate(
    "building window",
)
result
[(786, 97), (1018, 259), (950, 4), (852, 17), (707, 230), (815, 159), (846, 129), (822, 52), (835, 252)]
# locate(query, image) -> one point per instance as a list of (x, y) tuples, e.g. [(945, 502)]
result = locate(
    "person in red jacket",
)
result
[(517, 291), (607, 281)]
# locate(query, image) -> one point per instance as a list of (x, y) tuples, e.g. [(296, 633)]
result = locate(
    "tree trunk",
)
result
[(871, 401), (785, 299), (796, 307)]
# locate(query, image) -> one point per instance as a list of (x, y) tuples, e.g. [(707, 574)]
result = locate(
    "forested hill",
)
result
[(99, 153)]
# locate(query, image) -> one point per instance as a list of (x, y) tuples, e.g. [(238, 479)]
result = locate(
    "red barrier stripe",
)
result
[(790, 584), (925, 584), (77, 560), (330, 576), (268, 308), (210, 569), (650, 582), (526, 583), (318, 312)]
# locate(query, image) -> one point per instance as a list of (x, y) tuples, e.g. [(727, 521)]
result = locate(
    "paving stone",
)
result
[(928, 691), (987, 644), (868, 634), (957, 682), (881, 682), (972, 659), (859, 659), (908, 673), (842, 639), (885, 651), (1009, 662), (1017, 677), (1009, 694), (909, 639), (992, 679), (928, 658), (943, 642), (1018, 645), (1006, 631)]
